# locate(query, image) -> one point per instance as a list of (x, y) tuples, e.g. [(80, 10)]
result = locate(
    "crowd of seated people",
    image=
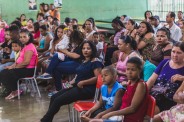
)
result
[(139, 60)]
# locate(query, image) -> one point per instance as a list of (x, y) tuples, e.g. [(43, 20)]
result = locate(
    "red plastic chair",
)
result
[(151, 107), (30, 80), (83, 106)]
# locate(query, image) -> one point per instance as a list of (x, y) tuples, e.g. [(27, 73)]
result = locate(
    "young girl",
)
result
[(110, 99), (134, 101)]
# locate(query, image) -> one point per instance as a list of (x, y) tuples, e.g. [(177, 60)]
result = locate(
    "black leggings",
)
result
[(9, 78), (64, 97)]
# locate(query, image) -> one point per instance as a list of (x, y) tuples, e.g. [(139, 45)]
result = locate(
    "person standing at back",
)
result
[(174, 29)]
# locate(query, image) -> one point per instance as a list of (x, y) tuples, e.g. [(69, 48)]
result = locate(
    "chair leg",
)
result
[(18, 89), (73, 114), (37, 87), (69, 115)]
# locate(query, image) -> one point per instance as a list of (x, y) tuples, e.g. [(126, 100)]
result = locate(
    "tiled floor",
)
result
[(29, 109)]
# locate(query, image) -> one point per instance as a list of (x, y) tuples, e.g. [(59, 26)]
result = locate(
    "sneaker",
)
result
[(52, 93), (45, 77)]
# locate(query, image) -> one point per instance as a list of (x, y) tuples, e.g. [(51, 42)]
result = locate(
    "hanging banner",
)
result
[(32, 5)]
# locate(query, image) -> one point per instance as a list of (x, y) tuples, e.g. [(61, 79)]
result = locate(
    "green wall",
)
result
[(81, 9)]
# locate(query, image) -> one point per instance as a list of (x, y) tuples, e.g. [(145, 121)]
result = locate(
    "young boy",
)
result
[(99, 46), (110, 99), (16, 47)]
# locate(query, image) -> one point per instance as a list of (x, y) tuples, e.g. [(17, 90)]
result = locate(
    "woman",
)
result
[(127, 47), (131, 28), (89, 29), (58, 37), (147, 16), (72, 60), (23, 20), (36, 34), (175, 114), (119, 31), (167, 78), (162, 49), (145, 40), (23, 67), (84, 84), (29, 25), (46, 37)]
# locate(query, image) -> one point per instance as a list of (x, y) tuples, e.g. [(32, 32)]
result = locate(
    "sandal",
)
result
[(13, 94)]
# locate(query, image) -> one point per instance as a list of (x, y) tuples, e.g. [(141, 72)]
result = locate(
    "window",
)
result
[(162, 7)]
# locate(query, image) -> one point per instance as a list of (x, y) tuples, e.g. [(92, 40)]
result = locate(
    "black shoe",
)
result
[(5, 92)]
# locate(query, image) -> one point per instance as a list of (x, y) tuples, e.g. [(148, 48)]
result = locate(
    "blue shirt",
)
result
[(108, 98), (148, 70), (86, 71)]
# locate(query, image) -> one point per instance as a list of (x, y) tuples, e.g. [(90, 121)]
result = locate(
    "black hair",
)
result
[(133, 23), (74, 19), (47, 8), (129, 40), (124, 16), (7, 29), (17, 42), (76, 37), (111, 69), (40, 14), (172, 14), (180, 12), (14, 28), (55, 33), (17, 23), (36, 26), (93, 48), (75, 27), (93, 21), (166, 30), (95, 33), (180, 45), (146, 12), (43, 27), (89, 20), (67, 20), (137, 61), (117, 21), (148, 26), (22, 15), (29, 34), (31, 19)]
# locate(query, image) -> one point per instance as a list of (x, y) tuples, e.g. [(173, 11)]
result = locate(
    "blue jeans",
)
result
[(57, 68), (54, 63)]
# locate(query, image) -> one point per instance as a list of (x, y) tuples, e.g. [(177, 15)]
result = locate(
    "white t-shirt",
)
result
[(99, 46), (176, 33)]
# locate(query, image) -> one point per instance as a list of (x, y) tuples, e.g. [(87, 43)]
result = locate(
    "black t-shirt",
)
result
[(6, 49)]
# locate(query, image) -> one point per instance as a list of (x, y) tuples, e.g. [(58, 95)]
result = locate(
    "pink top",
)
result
[(29, 47), (139, 114), (121, 65), (117, 36), (2, 35)]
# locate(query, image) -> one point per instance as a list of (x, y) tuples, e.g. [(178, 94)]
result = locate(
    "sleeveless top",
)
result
[(148, 49), (121, 65), (158, 54), (108, 98), (139, 114)]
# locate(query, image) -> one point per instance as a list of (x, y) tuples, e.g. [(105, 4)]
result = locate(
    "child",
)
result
[(110, 99), (16, 47), (134, 100), (99, 46)]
